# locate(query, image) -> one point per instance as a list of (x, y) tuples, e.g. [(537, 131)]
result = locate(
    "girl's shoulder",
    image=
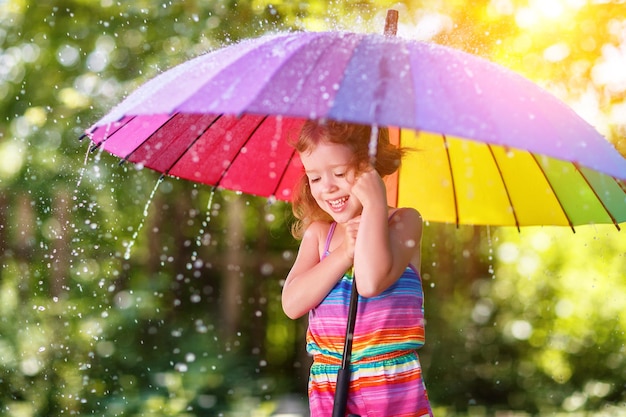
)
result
[(318, 230), (406, 220), (319, 225), (403, 214), (317, 234)]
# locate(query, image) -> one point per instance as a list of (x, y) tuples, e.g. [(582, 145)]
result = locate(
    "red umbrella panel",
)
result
[(249, 154)]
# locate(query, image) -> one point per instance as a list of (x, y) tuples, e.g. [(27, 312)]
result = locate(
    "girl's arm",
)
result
[(383, 249), (310, 279)]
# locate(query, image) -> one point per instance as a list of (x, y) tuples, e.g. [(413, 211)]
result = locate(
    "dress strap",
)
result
[(331, 231)]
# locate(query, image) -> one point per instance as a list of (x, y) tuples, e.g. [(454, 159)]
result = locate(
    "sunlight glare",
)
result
[(525, 17), (618, 114), (550, 9), (501, 7), (427, 27), (557, 52), (540, 11), (610, 70)]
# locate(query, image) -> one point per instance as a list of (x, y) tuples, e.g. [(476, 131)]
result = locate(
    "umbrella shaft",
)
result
[(343, 376), (347, 348)]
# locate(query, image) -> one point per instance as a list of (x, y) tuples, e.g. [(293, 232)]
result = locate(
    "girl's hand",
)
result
[(369, 188), (349, 239)]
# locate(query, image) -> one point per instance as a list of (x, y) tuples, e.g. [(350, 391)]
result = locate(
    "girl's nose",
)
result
[(328, 184)]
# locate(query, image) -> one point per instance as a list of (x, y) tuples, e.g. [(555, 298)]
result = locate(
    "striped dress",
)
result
[(386, 378)]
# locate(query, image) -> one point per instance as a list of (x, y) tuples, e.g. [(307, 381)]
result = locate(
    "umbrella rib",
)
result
[(456, 202), (148, 138), (193, 142), (282, 175), (571, 225), (506, 189), (308, 73), (106, 137), (243, 145), (597, 196)]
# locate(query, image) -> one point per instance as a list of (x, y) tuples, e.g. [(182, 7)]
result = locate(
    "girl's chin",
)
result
[(343, 216), (341, 219)]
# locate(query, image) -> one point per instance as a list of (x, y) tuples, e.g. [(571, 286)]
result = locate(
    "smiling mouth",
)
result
[(338, 203)]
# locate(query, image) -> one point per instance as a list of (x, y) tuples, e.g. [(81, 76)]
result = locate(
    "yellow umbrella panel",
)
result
[(460, 181)]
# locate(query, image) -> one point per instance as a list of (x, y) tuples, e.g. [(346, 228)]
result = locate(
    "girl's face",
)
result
[(331, 172)]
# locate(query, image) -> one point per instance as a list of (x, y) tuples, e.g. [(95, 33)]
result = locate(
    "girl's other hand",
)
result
[(350, 232)]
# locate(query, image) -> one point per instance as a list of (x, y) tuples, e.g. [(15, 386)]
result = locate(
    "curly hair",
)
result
[(354, 136)]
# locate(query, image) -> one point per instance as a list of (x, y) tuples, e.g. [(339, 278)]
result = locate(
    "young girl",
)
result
[(345, 224)]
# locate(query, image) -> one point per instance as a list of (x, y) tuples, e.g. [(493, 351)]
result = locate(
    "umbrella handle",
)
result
[(347, 348), (341, 393), (343, 375)]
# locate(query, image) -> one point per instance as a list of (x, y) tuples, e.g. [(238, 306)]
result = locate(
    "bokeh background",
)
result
[(124, 295)]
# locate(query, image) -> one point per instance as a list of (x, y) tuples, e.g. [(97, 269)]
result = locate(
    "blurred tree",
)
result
[(92, 331)]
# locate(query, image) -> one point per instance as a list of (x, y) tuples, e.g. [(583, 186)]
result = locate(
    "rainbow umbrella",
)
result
[(492, 148)]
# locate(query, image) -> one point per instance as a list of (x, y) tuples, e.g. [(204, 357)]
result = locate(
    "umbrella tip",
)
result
[(391, 23)]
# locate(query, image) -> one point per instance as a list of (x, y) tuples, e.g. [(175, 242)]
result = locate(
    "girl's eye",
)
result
[(313, 180), (340, 174)]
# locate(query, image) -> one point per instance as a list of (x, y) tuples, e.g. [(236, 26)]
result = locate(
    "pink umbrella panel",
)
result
[(494, 148)]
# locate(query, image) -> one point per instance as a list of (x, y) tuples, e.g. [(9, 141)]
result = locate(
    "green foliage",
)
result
[(538, 325)]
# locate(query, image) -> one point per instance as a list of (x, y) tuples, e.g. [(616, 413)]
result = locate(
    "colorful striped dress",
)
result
[(386, 376)]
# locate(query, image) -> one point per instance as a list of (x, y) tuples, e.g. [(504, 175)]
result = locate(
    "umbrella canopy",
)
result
[(490, 146)]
